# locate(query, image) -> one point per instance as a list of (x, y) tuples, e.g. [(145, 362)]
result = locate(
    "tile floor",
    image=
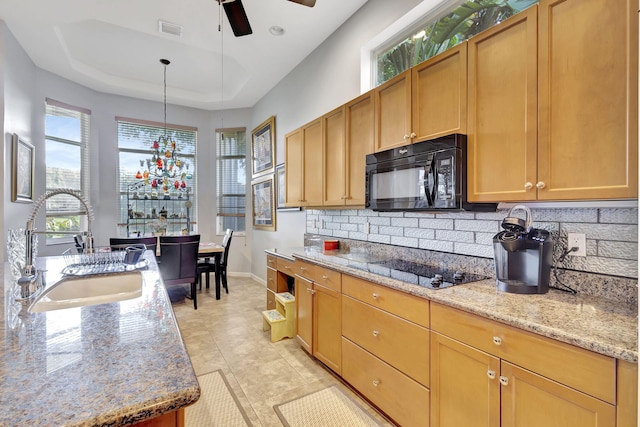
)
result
[(227, 334)]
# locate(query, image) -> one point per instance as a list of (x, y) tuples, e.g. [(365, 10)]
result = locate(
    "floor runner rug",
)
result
[(218, 406), (329, 407)]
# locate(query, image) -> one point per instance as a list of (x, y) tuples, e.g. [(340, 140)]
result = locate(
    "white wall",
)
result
[(327, 78)]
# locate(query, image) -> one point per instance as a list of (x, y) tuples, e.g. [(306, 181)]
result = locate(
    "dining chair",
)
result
[(178, 261), (207, 265), (121, 243)]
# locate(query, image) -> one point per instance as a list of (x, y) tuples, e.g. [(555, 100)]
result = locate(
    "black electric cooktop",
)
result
[(428, 276)]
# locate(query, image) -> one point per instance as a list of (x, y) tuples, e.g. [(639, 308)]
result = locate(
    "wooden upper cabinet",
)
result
[(439, 94), (588, 124), (393, 112), (312, 163), (359, 118), (293, 154), (335, 161), (502, 110)]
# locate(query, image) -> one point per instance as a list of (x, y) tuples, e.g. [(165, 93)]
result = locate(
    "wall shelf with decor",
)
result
[(150, 213)]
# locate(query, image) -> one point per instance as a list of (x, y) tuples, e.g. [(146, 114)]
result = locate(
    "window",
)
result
[(231, 154), (67, 166), (440, 30), (136, 139)]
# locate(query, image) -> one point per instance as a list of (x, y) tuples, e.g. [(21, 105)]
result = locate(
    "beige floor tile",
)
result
[(227, 334)]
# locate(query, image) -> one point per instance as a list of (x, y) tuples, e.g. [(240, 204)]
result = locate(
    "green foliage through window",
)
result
[(465, 21)]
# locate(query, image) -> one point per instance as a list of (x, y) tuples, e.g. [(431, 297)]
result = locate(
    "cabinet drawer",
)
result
[(581, 369), (271, 300), (328, 278), (383, 334), (286, 266), (399, 303), (397, 395), (272, 279), (304, 269), (272, 261)]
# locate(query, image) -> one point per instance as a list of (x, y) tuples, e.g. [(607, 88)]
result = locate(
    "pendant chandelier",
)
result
[(164, 170)]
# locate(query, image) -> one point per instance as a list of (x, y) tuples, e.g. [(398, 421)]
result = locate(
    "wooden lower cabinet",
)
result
[(319, 318), (463, 390), (170, 419), (530, 400), (400, 397)]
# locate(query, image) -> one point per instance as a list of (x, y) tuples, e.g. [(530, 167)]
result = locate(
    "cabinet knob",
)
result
[(528, 186), (413, 135), (375, 383), (406, 137), (271, 279), (376, 333), (497, 340), (540, 185), (311, 291), (504, 380), (375, 296), (491, 374)]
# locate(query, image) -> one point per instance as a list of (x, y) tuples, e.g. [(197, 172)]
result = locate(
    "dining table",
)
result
[(208, 250)]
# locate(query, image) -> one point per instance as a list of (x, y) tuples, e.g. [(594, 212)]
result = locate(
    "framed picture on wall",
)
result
[(22, 167), (263, 147), (263, 202)]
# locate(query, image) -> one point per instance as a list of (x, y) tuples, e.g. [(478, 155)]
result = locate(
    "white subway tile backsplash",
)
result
[(612, 233), (477, 225), (439, 223)]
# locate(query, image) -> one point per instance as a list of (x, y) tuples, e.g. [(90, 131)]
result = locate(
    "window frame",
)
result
[(84, 115), (220, 228)]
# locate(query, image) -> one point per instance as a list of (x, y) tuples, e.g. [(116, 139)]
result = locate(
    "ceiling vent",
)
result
[(165, 27)]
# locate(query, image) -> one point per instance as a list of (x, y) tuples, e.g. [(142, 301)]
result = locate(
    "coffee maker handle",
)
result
[(528, 219)]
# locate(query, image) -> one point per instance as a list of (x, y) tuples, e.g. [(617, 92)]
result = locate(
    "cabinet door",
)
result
[(335, 162), (293, 151), (327, 327), (465, 388), (588, 66), (439, 94), (359, 118), (312, 163), (304, 313), (502, 115), (393, 112), (530, 400)]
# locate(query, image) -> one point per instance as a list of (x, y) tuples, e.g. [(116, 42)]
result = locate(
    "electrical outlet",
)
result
[(577, 240), (367, 228)]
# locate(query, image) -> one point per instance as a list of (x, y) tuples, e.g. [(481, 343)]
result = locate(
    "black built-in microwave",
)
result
[(425, 176)]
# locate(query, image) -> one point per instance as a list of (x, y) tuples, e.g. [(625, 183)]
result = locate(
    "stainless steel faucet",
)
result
[(29, 277)]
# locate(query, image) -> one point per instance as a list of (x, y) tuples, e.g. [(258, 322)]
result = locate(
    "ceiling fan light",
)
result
[(276, 30)]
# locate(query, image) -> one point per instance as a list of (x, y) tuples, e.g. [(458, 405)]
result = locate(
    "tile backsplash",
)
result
[(611, 233)]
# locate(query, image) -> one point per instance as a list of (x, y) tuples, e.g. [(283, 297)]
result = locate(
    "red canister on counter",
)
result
[(331, 245)]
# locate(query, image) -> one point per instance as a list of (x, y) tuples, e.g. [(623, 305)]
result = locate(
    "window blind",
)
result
[(231, 176)]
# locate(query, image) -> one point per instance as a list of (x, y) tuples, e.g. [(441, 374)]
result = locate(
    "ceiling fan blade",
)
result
[(237, 18), (309, 3)]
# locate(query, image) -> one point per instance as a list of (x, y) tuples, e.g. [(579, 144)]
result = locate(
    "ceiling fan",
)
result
[(238, 18)]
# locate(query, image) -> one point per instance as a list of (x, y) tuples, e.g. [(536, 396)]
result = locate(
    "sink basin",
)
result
[(89, 290)]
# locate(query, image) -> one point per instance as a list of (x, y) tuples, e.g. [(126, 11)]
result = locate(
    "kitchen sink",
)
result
[(82, 291)]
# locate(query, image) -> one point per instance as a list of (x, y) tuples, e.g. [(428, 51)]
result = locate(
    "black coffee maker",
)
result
[(523, 255)]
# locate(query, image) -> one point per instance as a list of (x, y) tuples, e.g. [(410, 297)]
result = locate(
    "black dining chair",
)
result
[(207, 265), (121, 243), (178, 261)]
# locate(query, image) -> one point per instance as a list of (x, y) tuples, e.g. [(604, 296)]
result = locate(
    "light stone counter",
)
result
[(111, 364), (601, 325)]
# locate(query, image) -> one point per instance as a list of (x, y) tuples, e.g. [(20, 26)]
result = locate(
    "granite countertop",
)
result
[(110, 364), (601, 325)]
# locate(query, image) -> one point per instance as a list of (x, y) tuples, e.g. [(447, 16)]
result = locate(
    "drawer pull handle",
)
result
[(504, 380), (497, 340), (375, 296), (376, 333), (303, 269), (286, 267), (376, 382), (325, 277)]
